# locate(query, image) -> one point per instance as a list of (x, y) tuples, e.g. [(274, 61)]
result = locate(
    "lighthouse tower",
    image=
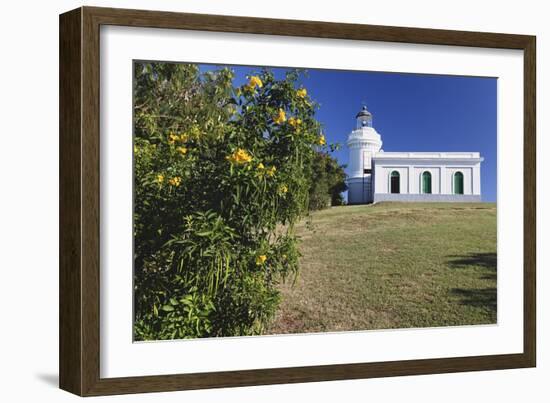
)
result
[(363, 143)]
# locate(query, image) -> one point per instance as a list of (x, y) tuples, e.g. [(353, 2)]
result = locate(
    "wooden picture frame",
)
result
[(79, 348)]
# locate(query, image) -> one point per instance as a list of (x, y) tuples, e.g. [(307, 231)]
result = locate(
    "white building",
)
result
[(375, 175)]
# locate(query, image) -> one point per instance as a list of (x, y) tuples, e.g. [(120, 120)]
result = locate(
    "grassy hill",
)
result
[(393, 265)]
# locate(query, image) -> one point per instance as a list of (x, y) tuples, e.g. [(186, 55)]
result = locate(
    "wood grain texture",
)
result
[(90, 201), (314, 29), (70, 186), (80, 200), (529, 202)]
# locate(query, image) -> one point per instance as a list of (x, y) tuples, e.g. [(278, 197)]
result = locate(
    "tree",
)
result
[(327, 183), (222, 174)]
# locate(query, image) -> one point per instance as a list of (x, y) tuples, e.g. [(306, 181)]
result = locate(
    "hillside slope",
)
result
[(393, 265)]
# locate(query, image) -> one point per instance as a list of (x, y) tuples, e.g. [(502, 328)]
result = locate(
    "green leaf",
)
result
[(187, 301), (167, 308)]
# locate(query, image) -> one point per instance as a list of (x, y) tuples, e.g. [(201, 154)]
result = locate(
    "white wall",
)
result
[(382, 178), (416, 178), (29, 202), (447, 181), (442, 177)]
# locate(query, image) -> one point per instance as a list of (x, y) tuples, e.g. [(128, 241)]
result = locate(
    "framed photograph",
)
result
[(248, 201)]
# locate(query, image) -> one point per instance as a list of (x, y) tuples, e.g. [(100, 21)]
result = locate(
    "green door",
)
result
[(426, 182), (458, 184)]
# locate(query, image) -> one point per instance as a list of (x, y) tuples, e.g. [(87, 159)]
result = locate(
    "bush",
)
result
[(327, 183), (222, 174)]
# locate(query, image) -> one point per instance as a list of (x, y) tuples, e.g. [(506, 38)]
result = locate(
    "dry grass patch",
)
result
[(393, 265)]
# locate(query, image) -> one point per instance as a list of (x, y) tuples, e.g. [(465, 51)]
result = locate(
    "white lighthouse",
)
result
[(377, 176), (363, 143)]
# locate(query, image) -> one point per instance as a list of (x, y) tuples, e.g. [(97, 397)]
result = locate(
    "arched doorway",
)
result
[(426, 182), (458, 183), (394, 182)]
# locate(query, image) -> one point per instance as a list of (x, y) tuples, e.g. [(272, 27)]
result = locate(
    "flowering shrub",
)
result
[(222, 174)]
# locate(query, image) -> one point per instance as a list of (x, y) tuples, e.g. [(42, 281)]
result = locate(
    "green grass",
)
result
[(393, 265)]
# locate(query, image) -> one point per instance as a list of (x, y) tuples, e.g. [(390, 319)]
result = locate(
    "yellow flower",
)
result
[(253, 83), (260, 260), (271, 171), (256, 81), (160, 178), (322, 140), (302, 92), (182, 150), (172, 138), (280, 118), (260, 170), (240, 157), (183, 138), (175, 181), (283, 189), (294, 122)]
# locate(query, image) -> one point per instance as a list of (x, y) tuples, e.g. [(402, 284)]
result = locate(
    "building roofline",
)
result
[(447, 159), (427, 154)]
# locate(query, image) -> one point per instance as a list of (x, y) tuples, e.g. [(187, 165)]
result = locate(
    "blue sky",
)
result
[(412, 112)]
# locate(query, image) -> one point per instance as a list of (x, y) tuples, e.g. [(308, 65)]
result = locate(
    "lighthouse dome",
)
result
[(363, 112), (364, 118)]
